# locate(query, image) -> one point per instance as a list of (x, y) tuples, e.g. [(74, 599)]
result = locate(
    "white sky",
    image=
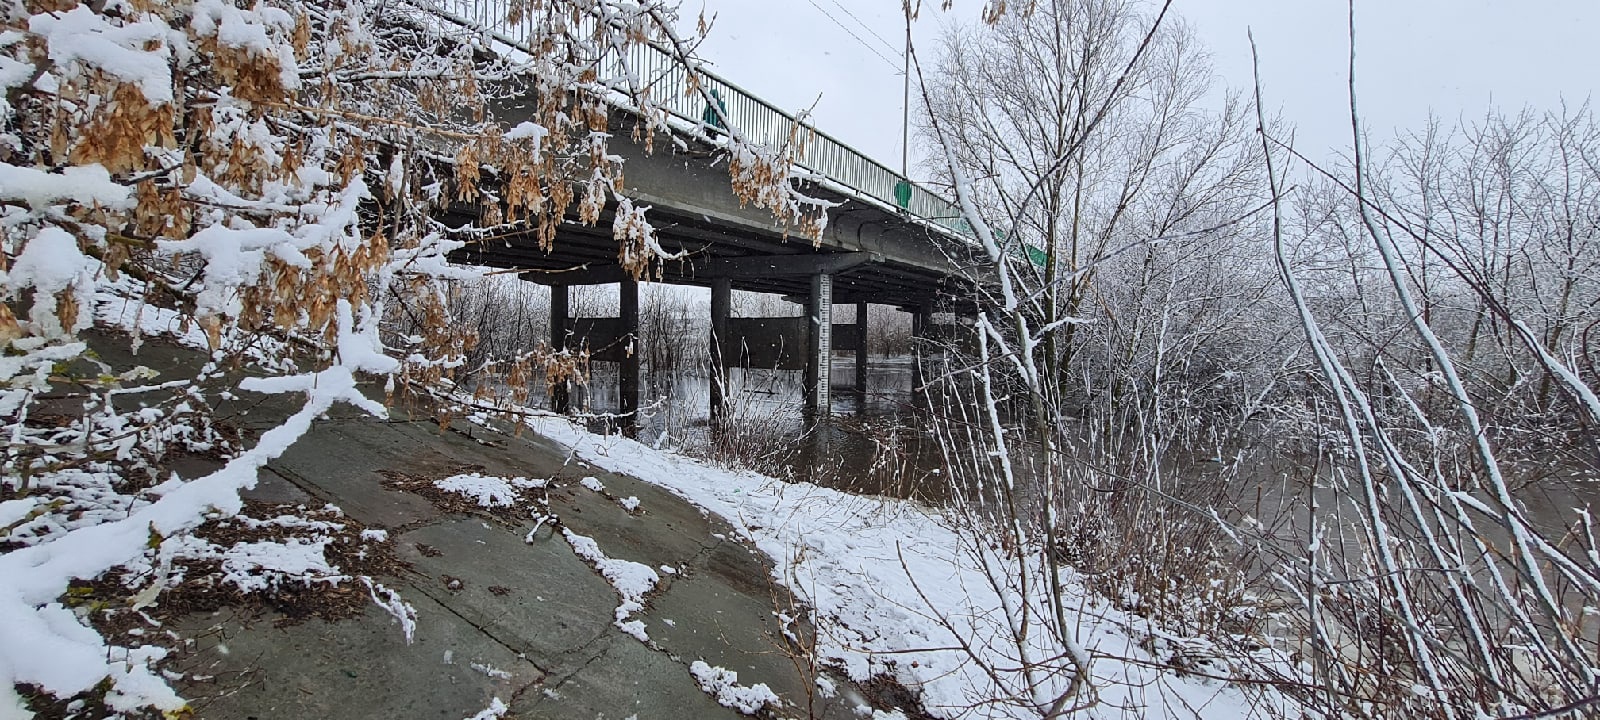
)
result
[(1456, 57)]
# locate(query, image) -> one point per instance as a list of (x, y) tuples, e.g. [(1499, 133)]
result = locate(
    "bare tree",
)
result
[(1426, 584), (1099, 192)]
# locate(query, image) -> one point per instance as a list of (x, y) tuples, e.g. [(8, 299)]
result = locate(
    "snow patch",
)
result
[(529, 131), (487, 490), (51, 263), (12, 511), (723, 685), (632, 581), (83, 37), (496, 709), (491, 671), (294, 558), (401, 610)]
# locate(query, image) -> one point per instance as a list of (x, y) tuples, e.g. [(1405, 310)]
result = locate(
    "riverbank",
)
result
[(388, 567)]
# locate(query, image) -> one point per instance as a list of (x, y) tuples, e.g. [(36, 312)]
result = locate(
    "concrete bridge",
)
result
[(888, 241)]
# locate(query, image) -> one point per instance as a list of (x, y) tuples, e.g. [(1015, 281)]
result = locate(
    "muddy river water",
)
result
[(878, 442)]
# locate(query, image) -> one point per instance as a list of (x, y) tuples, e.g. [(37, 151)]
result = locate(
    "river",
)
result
[(874, 443)]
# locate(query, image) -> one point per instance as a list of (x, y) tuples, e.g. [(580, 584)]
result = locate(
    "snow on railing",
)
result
[(757, 120)]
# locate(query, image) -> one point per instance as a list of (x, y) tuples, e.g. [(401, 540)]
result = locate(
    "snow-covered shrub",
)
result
[(261, 181)]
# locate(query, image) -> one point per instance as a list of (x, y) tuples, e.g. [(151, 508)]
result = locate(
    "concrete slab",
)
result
[(468, 444), (172, 361), (539, 599), (339, 463), (622, 678), (535, 618), (273, 488), (731, 624), (359, 668), (654, 536), (739, 568)]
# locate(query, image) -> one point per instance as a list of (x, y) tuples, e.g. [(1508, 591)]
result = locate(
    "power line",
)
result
[(867, 27), (852, 34)]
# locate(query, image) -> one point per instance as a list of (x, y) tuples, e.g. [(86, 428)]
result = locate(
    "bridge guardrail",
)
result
[(759, 121)]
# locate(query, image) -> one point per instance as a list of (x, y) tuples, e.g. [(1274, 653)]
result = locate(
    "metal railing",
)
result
[(758, 121)]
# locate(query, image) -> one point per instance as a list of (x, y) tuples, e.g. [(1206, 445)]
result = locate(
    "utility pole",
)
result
[(905, 104)]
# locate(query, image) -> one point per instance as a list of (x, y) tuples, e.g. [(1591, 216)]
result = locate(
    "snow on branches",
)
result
[(267, 176)]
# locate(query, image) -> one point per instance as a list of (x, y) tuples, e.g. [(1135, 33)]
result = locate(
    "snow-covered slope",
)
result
[(898, 590)]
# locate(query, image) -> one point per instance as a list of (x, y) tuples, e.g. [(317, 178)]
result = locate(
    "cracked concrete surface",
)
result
[(530, 624)]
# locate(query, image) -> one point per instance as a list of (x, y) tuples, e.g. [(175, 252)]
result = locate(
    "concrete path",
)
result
[(528, 623)]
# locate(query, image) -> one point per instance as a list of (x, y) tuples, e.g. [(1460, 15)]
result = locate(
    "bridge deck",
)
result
[(875, 254), (887, 240), (756, 120)]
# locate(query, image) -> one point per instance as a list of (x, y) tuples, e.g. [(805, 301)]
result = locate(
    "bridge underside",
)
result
[(752, 261), (873, 253), (869, 253)]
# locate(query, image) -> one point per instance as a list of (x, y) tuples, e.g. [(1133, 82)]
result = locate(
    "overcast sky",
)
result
[(1456, 57)]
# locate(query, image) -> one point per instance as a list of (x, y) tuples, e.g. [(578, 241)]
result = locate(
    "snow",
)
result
[(83, 36), (399, 609), (633, 628), (593, 483), (50, 264), (488, 491), (297, 522), (250, 30), (45, 644), (13, 511), (723, 685), (296, 557), (530, 131), (490, 670), (120, 305), (235, 254), (81, 184), (133, 686), (632, 581), (12, 74), (849, 565), (896, 590), (496, 709), (630, 503)]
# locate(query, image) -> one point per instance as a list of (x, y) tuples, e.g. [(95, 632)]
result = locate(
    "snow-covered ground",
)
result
[(897, 589)]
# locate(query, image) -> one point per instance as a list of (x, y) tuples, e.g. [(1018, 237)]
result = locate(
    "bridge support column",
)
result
[(861, 356), (819, 358), (921, 320), (628, 372), (560, 393), (721, 309)]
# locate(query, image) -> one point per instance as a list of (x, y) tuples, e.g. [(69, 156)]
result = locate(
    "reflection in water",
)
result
[(877, 442), (880, 442)]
